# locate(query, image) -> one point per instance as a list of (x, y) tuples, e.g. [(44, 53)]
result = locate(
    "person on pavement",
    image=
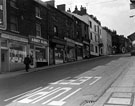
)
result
[(27, 62)]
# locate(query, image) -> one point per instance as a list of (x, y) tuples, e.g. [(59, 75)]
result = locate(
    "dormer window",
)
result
[(38, 15)]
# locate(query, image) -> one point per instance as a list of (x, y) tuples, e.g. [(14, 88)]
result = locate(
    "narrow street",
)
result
[(68, 85)]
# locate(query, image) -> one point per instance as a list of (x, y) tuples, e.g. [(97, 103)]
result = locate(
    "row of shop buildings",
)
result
[(49, 35)]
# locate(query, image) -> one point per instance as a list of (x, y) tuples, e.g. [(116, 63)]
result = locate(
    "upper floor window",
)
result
[(38, 14), (13, 23), (95, 28), (38, 30), (55, 29), (96, 49), (13, 3), (90, 24), (91, 36)]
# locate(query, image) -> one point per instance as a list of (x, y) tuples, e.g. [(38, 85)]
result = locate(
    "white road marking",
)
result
[(29, 94), (38, 96), (74, 81), (66, 90), (60, 80), (62, 101), (22, 94), (97, 78)]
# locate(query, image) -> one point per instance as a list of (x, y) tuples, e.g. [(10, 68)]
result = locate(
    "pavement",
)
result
[(20, 72), (121, 92)]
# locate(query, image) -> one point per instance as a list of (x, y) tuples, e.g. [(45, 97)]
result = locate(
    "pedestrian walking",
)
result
[(27, 62)]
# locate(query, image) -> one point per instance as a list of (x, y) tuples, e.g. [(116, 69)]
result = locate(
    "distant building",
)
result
[(94, 30), (107, 41)]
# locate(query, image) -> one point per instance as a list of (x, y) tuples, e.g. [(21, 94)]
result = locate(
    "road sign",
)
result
[(3, 23)]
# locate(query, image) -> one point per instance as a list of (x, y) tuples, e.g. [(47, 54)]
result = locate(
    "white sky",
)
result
[(113, 14)]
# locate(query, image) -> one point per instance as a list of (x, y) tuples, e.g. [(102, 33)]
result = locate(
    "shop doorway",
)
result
[(4, 60)]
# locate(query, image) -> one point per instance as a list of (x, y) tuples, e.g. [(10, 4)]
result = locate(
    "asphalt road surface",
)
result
[(68, 85)]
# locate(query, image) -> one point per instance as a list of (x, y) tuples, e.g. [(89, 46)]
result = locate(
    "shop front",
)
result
[(13, 52), (38, 51), (70, 54), (79, 50), (57, 51), (86, 50)]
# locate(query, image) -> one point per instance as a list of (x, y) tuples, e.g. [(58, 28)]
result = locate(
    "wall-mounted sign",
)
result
[(72, 41), (7, 36), (3, 19), (38, 41)]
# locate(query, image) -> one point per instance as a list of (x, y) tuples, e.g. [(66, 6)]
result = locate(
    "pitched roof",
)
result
[(79, 17)]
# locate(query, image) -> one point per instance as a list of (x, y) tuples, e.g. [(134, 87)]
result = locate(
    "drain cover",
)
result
[(87, 103)]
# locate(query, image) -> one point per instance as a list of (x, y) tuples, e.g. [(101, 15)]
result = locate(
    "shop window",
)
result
[(13, 23), (91, 47), (17, 53), (40, 55), (13, 3), (38, 30), (37, 9), (58, 55)]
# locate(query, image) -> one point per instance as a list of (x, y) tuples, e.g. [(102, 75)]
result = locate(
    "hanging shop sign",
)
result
[(3, 23), (38, 41)]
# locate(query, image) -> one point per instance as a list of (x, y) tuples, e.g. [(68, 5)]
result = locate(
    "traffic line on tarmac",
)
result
[(97, 78), (22, 94)]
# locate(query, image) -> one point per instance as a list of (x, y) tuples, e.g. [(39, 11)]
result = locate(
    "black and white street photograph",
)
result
[(67, 52)]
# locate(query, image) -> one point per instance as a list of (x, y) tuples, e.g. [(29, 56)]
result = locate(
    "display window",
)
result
[(70, 54), (59, 55), (79, 52), (17, 53), (41, 55), (86, 51)]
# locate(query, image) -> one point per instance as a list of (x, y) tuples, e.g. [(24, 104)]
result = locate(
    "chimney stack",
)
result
[(61, 7)]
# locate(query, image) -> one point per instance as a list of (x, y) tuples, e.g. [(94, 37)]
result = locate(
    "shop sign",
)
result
[(72, 41), (3, 23), (14, 38), (38, 41), (86, 42)]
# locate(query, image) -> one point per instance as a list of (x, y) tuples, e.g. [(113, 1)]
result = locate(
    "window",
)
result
[(55, 31), (91, 36), (95, 28), (91, 48), (13, 23), (90, 24), (37, 12), (13, 3), (38, 30), (96, 49), (95, 38)]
